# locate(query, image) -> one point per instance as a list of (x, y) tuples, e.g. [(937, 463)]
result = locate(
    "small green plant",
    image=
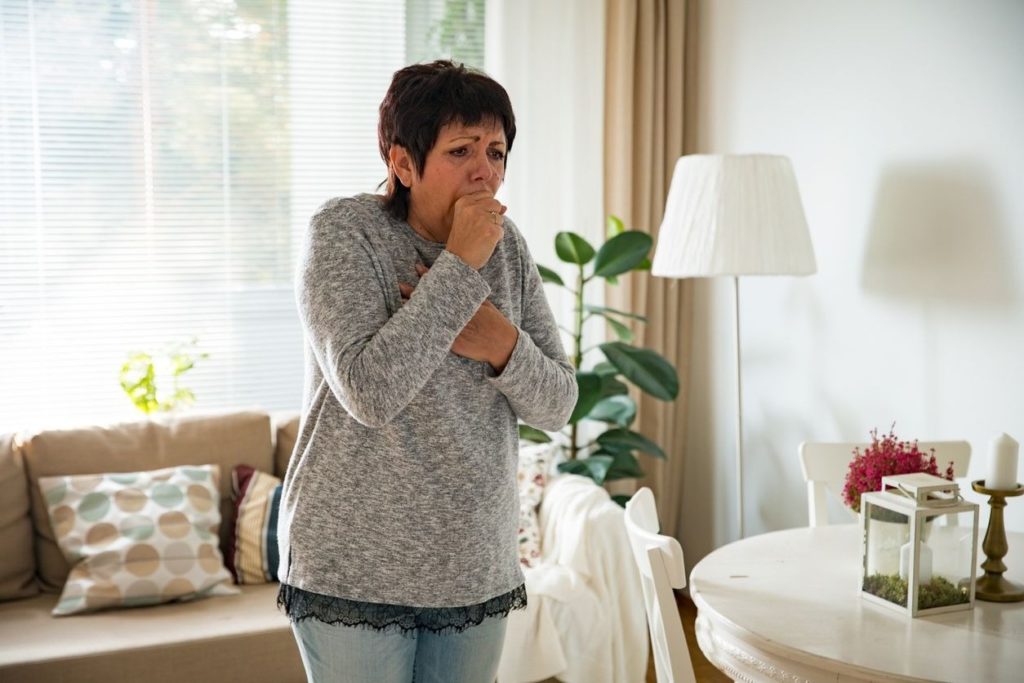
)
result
[(603, 396), (143, 370)]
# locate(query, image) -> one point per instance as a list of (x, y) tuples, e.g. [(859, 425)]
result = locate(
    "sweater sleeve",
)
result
[(538, 381), (374, 362)]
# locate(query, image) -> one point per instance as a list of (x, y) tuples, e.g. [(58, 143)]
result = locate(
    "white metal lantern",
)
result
[(916, 556)]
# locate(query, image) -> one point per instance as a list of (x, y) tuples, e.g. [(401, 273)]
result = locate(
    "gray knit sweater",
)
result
[(402, 486)]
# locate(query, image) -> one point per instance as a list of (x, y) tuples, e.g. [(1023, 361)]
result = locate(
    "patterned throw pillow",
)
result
[(534, 461), (252, 546), (137, 538)]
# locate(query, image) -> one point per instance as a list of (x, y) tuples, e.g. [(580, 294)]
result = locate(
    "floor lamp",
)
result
[(734, 215)]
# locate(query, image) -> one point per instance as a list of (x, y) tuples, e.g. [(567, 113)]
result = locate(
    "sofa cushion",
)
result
[(252, 548), (17, 561), (138, 538), (286, 434), (243, 638), (227, 440)]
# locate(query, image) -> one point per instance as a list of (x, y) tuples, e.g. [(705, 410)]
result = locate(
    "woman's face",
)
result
[(464, 159)]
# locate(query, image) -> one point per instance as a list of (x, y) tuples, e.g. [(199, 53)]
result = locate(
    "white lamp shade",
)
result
[(733, 215)]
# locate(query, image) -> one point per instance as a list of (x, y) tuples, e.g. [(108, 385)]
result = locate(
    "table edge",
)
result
[(748, 651)]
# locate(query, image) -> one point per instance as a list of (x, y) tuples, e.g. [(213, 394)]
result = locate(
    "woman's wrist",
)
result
[(505, 346)]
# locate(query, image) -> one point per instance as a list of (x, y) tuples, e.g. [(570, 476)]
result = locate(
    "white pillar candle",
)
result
[(924, 573), (1002, 464)]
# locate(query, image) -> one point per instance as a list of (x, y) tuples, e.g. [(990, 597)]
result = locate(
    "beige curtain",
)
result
[(645, 132)]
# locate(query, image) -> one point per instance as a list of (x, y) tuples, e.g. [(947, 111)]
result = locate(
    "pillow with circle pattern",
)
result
[(137, 538)]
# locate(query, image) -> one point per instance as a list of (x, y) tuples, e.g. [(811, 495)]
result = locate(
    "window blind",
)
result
[(159, 163)]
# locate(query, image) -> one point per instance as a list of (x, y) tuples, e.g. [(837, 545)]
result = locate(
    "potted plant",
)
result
[(603, 392), (883, 457)]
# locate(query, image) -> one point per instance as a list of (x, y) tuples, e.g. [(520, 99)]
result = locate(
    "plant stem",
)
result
[(578, 356)]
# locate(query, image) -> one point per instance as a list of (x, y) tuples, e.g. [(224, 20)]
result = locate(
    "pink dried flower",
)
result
[(882, 458)]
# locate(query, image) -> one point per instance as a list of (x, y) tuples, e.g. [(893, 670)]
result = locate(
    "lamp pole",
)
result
[(739, 409)]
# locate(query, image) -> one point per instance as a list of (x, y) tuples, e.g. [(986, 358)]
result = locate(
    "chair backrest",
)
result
[(825, 465), (660, 561)]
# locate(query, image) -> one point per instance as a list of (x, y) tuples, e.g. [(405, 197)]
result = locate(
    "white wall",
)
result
[(549, 56), (905, 124)]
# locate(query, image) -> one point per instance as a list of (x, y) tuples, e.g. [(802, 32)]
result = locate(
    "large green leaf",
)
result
[(601, 310), (572, 248), (621, 331), (620, 439), (590, 393), (613, 449), (624, 466), (622, 253), (528, 433), (621, 499), (599, 466), (615, 227), (644, 368), (548, 275), (605, 369), (620, 410), (611, 386), (574, 467), (596, 467), (645, 264)]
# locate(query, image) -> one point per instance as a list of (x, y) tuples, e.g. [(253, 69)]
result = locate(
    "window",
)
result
[(159, 162)]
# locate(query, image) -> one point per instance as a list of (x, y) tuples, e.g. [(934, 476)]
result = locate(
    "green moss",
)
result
[(940, 592)]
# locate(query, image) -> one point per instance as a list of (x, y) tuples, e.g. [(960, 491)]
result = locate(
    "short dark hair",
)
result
[(421, 100)]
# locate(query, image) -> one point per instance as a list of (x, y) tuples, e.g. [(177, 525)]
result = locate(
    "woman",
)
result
[(427, 336)]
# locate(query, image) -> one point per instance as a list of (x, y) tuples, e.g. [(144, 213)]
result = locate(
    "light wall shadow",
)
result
[(936, 234)]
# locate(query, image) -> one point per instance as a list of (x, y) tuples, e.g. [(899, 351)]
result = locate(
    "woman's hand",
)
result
[(488, 337), (477, 227)]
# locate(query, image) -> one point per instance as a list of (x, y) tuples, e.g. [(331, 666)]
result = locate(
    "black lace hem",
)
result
[(299, 604)]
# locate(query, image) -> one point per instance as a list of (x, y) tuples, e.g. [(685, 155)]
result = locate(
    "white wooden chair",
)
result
[(825, 465), (660, 561)]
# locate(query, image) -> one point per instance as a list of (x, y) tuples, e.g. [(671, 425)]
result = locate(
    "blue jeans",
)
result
[(346, 654)]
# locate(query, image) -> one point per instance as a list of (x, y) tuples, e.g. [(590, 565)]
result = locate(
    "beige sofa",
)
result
[(232, 638), (585, 621)]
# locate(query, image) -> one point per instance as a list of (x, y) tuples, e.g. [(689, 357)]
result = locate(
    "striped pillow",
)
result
[(252, 545)]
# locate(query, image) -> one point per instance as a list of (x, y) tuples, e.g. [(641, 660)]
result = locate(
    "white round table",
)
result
[(786, 606)]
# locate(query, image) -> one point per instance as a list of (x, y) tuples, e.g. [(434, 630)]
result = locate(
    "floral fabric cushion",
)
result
[(252, 546), (137, 538), (534, 463)]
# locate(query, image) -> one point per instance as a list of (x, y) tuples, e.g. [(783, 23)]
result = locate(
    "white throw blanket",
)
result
[(585, 621)]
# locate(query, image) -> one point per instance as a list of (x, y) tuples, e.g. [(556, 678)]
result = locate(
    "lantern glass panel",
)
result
[(886, 532), (944, 562)]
